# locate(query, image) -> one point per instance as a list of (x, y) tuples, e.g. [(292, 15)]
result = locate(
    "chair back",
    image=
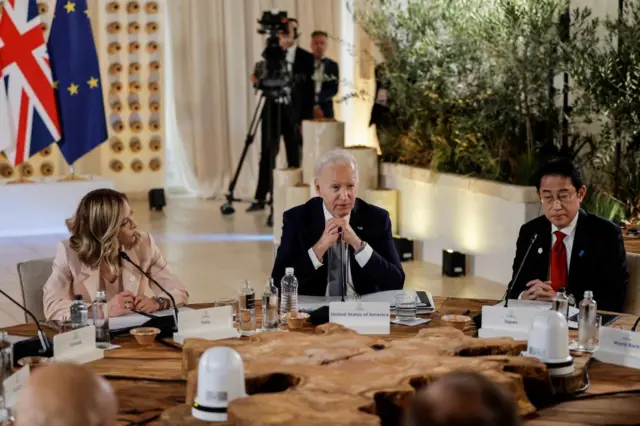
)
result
[(632, 302), (33, 275)]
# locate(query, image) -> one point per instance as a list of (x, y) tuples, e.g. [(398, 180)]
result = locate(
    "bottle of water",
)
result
[(289, 294), (79, 313), (561, 303), (587, 323), (247, 312), (101, 320), (270, 307)]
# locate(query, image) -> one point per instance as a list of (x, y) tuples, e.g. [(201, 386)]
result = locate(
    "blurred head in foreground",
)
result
[(462, 399), (66, 395)]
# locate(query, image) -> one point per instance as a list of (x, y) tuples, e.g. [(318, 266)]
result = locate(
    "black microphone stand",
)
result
[(515, 279), (126, 257), (343, 274), (27, 347)]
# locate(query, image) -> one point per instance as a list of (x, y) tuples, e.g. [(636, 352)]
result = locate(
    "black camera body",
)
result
[(272, 73)]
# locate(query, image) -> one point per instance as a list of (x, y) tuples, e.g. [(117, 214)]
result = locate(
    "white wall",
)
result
[(479, 218)]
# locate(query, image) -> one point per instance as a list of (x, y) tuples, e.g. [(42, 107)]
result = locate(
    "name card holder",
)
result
[(77, 346), (209, 324), (498, 321), (363, 317), (619, 347), (14, 384)]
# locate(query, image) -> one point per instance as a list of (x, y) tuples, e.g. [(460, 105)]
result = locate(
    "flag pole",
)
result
[(72, 175)]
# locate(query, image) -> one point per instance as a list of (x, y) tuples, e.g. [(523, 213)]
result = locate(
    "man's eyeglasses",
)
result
[(563, 198)]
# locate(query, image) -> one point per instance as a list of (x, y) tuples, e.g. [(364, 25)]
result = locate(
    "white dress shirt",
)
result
[(570, 232), (362, 258), (318, 76)]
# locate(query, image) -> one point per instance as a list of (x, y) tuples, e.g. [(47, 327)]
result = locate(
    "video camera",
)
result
[(272, 74)]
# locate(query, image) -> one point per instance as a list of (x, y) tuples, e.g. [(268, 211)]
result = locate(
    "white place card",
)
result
[(77, 346), (498, 321), (620, 347), (210, 324), (14, 384), (363, 317)]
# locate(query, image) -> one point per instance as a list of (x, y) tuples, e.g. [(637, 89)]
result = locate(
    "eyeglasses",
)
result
[(563, 198)]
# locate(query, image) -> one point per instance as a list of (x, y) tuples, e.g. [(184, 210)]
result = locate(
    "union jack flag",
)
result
[(25, 74)]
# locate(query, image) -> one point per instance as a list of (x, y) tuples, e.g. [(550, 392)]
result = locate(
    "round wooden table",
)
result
[(149, 380)]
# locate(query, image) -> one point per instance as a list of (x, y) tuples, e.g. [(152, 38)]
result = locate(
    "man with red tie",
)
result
[(574, 249)]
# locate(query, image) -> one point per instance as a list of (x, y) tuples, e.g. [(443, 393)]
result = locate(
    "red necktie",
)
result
[(559, 262)]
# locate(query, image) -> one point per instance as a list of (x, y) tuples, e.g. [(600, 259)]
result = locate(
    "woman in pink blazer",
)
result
[(89, 261)]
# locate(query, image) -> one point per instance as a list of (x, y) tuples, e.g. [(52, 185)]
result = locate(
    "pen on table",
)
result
[(467, 312)]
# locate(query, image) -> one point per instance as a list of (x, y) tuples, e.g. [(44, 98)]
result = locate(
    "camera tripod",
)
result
[(269, 100)]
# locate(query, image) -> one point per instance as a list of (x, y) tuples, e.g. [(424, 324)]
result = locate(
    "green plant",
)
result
[(469, 81), (604, 205)]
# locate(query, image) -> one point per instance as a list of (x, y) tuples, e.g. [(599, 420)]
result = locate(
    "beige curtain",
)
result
[(213, 46)]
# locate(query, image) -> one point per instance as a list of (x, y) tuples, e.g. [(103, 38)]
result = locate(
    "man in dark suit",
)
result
[(326, 77), (310, 235), (283, 116), (575, 250)]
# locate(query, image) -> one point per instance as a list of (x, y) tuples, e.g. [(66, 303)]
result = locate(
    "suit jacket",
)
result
[(329, 88), (70, 277), (598, 260), (304, 89), (302, 228)]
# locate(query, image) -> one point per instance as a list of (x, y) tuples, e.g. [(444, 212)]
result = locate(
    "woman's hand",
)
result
[(121, 304), (146, 305)]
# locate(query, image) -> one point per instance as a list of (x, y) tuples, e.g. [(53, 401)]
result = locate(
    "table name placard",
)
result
[(14, 384), (620, 347), (77, 346), (210, 324), (363, 317), (498, 321)]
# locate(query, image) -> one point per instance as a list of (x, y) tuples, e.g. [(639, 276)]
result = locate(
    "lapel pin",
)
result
[(540, 250), (581, 253), (359, 228)]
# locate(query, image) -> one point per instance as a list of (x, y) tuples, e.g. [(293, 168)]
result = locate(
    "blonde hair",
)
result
[(95, 226)]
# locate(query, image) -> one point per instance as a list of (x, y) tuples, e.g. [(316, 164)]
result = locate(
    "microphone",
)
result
[(343, 275), (478, 318), (40, 346), (126, 257), (515, 278)]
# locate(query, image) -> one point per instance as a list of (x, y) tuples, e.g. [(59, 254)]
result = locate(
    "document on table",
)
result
[(136, 320), (311, 303)]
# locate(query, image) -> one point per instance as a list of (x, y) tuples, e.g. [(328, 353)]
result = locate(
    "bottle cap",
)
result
[(288, 271), (77, 297), (588, 294)]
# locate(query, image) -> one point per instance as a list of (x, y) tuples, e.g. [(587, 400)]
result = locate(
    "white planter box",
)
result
[(477, 217)]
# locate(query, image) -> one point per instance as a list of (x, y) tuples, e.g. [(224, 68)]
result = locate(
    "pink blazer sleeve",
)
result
[(57, 292), (159, 270)]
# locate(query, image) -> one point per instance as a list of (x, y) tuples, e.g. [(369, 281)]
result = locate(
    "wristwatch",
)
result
[(161, 301), (363, 244)]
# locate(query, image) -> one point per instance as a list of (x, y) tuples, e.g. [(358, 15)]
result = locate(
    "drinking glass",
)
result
[(406, 306), (228, 301), (596, 337)]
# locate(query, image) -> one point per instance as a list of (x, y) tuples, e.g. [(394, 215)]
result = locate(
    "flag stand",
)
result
[(72, 176)]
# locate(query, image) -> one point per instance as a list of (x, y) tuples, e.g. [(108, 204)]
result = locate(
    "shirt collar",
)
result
[(328, 215), (569, 229)]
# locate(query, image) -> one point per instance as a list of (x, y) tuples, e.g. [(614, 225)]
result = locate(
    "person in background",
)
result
[(66, 395), (292, 110), (326, 77), (573, 249), (462, 399), (89, 261), (310, 233)]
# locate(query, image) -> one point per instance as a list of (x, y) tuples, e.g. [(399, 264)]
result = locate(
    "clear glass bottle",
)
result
[(561, 303), (79, 313), (270, 307), (100, 311), (247, 314), (289, 294), (587, 322)]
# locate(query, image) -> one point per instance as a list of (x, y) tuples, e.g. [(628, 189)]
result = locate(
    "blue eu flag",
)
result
[(76, 76)]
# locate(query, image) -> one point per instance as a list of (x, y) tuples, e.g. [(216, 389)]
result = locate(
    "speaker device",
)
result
[(157, 199)]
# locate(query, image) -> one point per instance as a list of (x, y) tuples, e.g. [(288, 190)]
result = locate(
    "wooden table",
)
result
[(148, 380), (631, 244)]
